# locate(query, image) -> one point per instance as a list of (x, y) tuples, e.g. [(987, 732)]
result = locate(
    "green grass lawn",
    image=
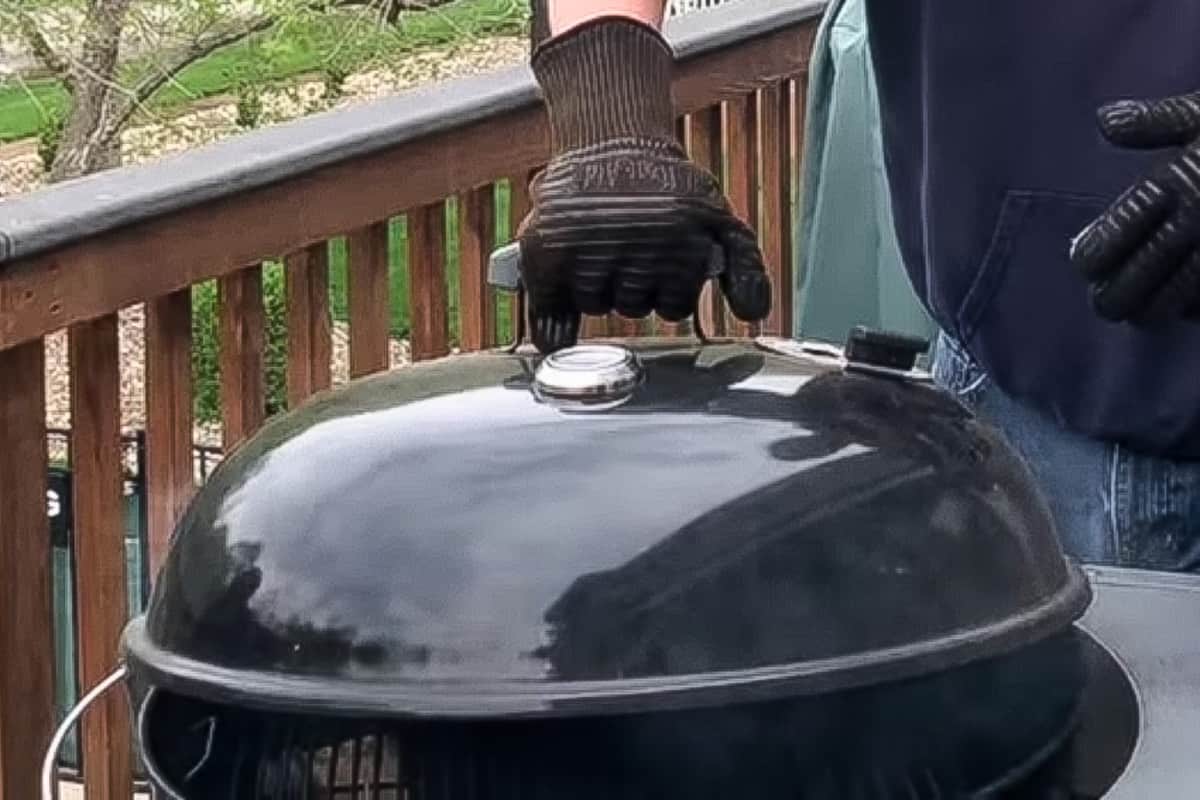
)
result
[(22, 109), (297, 47)]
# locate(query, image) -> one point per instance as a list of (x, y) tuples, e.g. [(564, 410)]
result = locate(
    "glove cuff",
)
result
[(607, 79)]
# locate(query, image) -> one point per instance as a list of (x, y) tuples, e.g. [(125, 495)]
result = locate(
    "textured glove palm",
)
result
[(1142, 256), (621, 220)]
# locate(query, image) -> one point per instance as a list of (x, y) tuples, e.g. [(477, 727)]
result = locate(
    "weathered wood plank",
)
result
[(243, 346), (734, 73), (427, 284), (369, 299), (477, 238), (704, 142), (657, 326), (170, 479), (741, 151), (594, 328), (778, 217), (519, 205), (51, 291), (309, 358), (99, 526), (799, 111), (27, 679), (625, 327)]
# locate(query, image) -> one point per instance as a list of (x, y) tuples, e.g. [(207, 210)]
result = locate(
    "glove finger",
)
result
[(744, 282), (679, 292), (636, 286), (1146, 273), (1118, 232), (592, 274), (1180, 296), (553, 331), (1149, 124)]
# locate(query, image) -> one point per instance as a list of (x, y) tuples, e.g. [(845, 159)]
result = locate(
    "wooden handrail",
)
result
[(75, 254)]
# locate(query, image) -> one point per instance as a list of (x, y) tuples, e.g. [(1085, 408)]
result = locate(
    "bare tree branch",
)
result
[(41, 48), (195, 50), (211, 41)]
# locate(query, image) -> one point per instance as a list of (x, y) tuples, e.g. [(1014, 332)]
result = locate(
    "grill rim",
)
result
[(509, 699), (999, 783)]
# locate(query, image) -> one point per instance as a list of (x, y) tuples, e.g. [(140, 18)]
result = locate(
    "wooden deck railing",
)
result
[(73, 255)]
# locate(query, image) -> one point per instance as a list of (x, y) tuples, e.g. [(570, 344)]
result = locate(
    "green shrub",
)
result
[(247, 78), (206, 351), (50, 136), (337, 70), (275, 306), (206, 346), (249, 106)]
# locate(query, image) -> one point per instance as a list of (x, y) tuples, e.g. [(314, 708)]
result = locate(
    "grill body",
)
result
[(990, 724), (753, 569)]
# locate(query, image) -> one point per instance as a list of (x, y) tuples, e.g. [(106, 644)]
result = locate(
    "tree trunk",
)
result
[(91, 139), (89, 143), (84, 149)]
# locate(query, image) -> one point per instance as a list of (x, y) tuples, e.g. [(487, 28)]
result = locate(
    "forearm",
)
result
[(566, 14), (604, 70), (618, 181), (552, 17)]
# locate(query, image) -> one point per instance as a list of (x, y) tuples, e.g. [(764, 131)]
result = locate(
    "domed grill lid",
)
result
[(456, 540)]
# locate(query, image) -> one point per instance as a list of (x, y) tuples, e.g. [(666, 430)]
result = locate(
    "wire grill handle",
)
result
[(50, 761)]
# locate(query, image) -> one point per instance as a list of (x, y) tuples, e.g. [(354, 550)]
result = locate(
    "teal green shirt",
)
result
[(849, 268)]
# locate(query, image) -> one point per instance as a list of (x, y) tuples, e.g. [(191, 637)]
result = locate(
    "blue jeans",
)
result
[(1111, 506)]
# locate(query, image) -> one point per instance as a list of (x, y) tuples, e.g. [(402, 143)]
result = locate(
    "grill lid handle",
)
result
[(50, 761), (892, 351), (591, 375)]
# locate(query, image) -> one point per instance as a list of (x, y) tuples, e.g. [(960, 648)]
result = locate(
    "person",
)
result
[(1049, 225), (849, 270)]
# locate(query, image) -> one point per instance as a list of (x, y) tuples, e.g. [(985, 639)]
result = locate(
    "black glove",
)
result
[(1142, 256), (621, 220)]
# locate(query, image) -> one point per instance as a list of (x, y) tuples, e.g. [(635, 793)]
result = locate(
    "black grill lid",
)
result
[(450, 541)]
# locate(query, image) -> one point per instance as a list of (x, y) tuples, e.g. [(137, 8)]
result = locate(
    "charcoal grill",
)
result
[(649, 571)]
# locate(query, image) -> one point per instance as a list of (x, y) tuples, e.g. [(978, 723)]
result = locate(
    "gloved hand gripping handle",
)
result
[(504, 274)]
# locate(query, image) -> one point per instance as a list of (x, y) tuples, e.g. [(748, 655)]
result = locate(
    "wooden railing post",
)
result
[(27, 671), (170, 477), (243, 346), (477, 237), (309, 348), (518, 206), (741, 152), (427, 284), (799, 119), (595, 328), (369, 299), (99, 549), (704, 141), (778, 214)]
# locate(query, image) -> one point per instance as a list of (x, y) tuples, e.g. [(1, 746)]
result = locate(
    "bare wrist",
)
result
[(568, 14)]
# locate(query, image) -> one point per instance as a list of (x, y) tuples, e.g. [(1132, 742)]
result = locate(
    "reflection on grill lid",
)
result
[(447, 541)]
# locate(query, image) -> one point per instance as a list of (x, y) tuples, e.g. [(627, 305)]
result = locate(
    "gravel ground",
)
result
[(22, 172)]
